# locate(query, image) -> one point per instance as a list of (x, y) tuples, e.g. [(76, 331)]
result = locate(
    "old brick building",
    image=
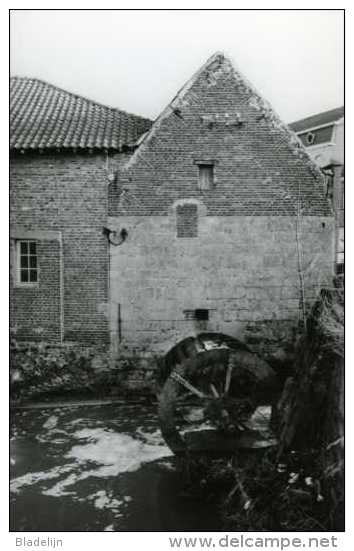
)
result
[(60, 172), (138, 234)]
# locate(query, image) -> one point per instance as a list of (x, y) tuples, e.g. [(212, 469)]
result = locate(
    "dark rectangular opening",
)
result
[(201, 314)]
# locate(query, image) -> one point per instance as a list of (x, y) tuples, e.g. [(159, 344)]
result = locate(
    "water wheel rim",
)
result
[(177, 379)]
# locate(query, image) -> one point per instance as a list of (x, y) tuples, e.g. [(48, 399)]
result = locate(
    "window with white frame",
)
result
[(27, 262)]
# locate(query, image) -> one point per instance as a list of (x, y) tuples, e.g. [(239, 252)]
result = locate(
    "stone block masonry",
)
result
[(242, 270)]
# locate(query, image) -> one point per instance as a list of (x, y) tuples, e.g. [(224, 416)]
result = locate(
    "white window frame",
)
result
[(19, 282)]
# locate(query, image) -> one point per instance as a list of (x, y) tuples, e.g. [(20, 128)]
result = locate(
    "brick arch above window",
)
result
[(202, 209)]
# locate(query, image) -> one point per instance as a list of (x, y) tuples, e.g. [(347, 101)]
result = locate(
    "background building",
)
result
[(59, 170), (323, 136)]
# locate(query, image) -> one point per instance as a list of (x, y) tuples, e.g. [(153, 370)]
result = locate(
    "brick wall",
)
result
[(65, 192), (36, 311), (259, 167)]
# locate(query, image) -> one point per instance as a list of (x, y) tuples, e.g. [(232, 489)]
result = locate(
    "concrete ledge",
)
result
[(40, 235)]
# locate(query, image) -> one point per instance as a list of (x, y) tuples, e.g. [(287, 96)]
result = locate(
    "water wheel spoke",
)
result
[(214, 391), (186, 384), (228, 377)]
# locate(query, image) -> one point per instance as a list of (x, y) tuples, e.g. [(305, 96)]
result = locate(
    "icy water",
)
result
[(97, 468)]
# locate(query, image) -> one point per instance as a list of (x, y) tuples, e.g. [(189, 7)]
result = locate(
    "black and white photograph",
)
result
[(176, 274)]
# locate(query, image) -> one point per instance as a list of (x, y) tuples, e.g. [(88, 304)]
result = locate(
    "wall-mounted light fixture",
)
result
[(114, 237)]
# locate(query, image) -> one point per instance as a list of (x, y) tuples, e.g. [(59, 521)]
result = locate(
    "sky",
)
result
[(137, 60)]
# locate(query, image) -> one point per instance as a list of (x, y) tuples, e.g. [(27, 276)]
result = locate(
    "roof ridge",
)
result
[(326, 112), (79, 96), (222, 60)]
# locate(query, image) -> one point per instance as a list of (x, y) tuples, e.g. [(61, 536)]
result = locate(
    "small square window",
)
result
[(206, 176), (27, 262)]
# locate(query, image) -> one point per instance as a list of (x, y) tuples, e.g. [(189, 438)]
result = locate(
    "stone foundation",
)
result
[(243, 271)]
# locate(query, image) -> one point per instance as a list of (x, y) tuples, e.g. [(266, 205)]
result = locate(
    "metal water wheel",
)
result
[(213, 385)]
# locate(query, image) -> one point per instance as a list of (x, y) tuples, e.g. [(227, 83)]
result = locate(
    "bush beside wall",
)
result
[(42, 370)]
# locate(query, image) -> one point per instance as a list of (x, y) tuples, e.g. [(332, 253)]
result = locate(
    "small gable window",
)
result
[(27, 262), (310, 138), (187, 220), (206, 176)]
